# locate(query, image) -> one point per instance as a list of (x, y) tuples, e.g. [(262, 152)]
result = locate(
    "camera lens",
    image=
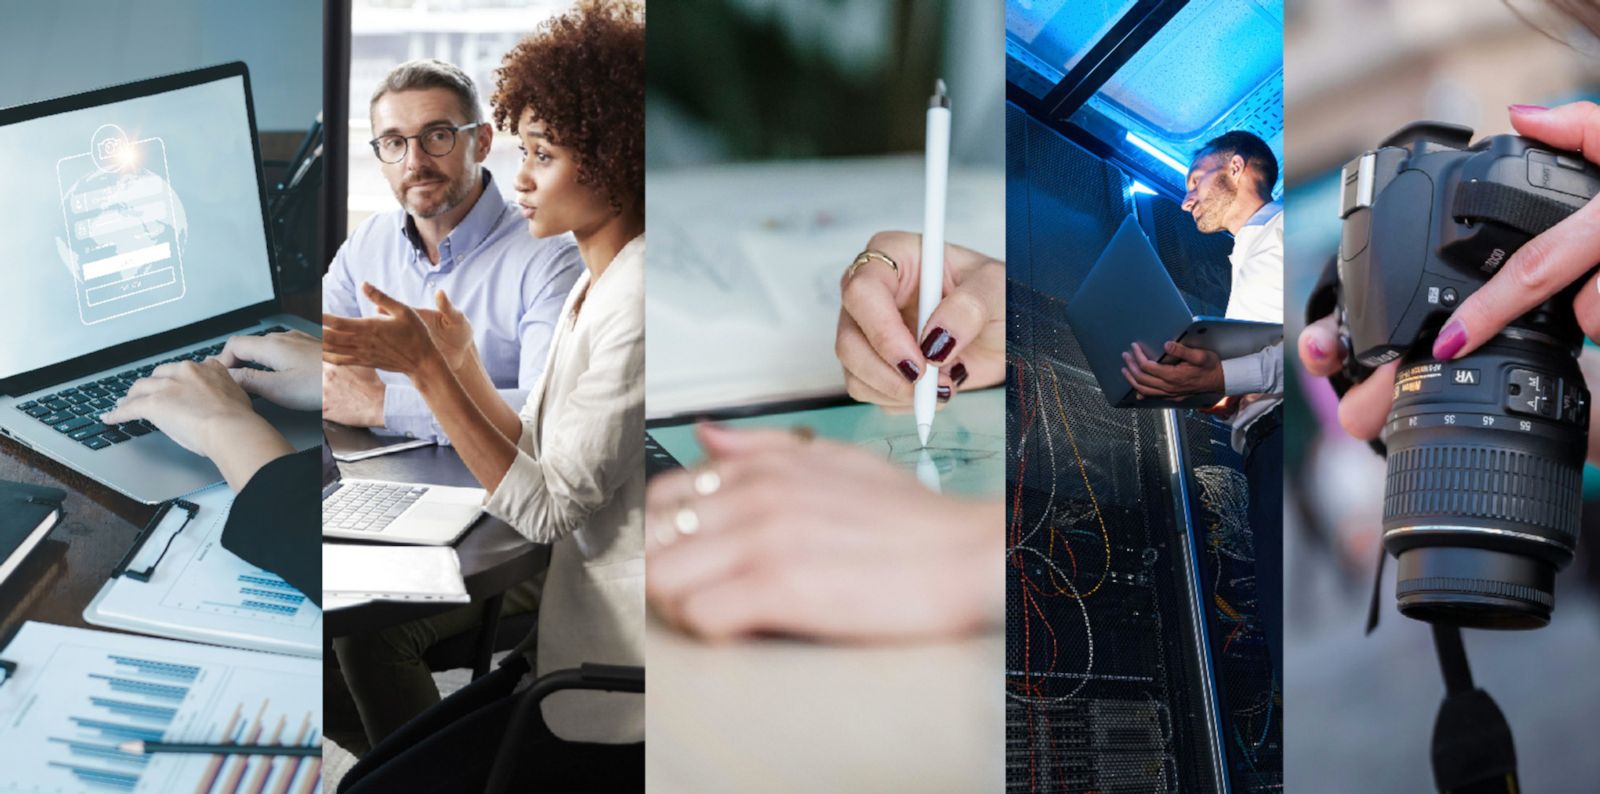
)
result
[(1485, 475)]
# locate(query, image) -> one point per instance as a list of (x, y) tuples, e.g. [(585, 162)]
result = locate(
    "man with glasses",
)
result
[(455, 233)]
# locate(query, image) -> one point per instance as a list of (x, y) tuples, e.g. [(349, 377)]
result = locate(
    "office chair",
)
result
[(602, 677), (477, 649)]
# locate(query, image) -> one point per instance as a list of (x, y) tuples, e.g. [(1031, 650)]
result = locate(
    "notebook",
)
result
[(27, 514)]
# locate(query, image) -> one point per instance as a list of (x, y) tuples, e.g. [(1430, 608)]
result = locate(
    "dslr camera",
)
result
[(1485, 452)]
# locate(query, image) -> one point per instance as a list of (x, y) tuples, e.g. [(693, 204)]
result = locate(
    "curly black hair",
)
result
[(583, 75)]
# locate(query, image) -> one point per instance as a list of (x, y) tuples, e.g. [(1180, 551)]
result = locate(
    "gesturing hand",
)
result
[(398, 340), (450, 329)]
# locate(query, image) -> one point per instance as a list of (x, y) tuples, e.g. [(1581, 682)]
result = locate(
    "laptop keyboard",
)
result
[(76, 412), (368, 506)]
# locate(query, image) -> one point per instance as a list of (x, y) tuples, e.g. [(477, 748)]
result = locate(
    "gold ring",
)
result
[(867, 256)]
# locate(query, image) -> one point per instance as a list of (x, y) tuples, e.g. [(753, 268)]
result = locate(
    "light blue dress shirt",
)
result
[(510, 285)]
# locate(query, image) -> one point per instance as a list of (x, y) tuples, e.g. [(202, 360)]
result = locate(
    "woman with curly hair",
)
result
[(568, 470)]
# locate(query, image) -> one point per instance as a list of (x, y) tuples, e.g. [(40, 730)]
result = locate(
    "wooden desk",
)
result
[(789, 716), (494, 558)]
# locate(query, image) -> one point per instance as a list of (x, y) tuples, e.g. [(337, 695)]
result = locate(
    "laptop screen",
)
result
[(330, 469), (129, 219)]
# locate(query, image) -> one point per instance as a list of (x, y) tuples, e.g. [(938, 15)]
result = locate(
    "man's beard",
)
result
[(1209, 213), (455, 193)]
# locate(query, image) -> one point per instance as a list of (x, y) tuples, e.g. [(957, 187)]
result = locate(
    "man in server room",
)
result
[(1230, 188)]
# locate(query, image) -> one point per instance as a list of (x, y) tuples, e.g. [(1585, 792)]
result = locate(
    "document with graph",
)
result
[(70, 697), (180, 582)]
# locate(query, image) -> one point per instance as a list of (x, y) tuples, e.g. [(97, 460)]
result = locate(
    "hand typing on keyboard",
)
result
[(75, 411), (292, 375), (199, 406)]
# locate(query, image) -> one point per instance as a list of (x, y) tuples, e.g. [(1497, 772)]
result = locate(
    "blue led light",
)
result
[(1139, 187), (1150, 149)]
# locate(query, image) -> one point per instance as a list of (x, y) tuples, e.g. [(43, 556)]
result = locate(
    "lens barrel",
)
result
[(1485, 476)]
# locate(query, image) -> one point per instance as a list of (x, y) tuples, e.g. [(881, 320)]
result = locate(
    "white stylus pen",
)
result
[(937, 170)]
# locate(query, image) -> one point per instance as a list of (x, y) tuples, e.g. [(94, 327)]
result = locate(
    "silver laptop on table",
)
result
[(394, 512), (1128, 297), (137, 234)]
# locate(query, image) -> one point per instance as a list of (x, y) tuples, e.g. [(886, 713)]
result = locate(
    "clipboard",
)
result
[(188, 509), (178, 581)]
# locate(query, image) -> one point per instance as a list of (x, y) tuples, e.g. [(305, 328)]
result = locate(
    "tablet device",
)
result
[(967, 446), (1128, 297)]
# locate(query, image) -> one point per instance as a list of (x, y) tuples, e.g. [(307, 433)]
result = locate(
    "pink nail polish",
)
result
[(1450, 341), (1527, 108), (1316, 349)]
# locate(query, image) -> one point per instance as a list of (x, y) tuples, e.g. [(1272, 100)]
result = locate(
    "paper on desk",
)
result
[(200, 591), (745, 263), (331, 602), (350, 444), (387, 449), (392, 573), (77, 693)]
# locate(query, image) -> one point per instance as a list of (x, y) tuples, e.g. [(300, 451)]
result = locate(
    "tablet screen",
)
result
[(967, 446)]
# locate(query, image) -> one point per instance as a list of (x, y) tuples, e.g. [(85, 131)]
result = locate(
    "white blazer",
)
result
[(578, 484)]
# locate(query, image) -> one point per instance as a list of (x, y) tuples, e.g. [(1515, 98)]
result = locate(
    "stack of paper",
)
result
[(744, 289), (74, 695), (391, 573)]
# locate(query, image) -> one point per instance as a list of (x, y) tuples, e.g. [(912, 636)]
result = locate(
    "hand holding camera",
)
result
[(1464, 289)]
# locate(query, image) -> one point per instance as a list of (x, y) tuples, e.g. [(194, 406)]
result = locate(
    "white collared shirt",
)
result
[(1257, 294), (1257, 260)]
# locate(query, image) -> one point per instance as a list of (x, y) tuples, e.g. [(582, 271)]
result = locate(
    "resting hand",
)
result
[(818, 539), (352, 396)]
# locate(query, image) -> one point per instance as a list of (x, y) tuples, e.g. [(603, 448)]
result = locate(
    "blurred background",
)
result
[(735, 80), (1360, 710), (782, 135)]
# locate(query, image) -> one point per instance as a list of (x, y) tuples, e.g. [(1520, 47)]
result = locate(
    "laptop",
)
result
[(139, 236), (1129, 297), (394, 512)]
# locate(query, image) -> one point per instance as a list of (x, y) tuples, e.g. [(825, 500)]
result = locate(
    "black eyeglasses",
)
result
[(436, 141)]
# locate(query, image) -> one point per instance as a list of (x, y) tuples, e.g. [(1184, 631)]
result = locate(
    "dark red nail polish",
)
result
[(937, 344), (958, 374), (909, 370), (1450, 341), (944, 394)]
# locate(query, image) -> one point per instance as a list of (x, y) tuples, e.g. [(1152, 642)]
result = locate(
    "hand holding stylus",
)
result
[(876, 338)]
